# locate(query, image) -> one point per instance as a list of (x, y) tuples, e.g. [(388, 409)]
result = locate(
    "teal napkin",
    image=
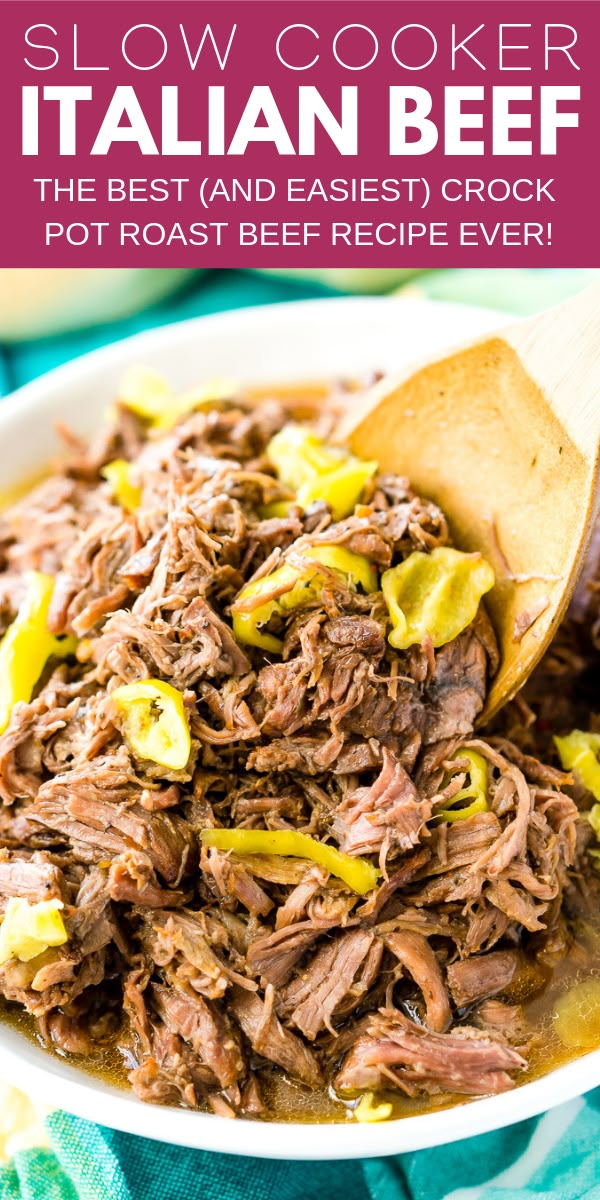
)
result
[(554, 1157)]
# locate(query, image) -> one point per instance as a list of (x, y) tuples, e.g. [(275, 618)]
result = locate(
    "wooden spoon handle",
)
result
[(503, 434), (560, 349)]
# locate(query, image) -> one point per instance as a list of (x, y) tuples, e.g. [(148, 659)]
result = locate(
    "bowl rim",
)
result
[(31, 393), (59, 1084)]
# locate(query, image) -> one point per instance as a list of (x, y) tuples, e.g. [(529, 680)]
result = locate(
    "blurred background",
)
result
[(50, 316)]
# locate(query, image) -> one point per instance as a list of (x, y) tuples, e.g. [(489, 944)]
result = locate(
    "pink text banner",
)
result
[(283, 133)]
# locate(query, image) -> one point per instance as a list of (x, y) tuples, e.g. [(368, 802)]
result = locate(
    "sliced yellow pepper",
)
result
[(340, 489), (202, 396), (248, 625), (29, 929), (27, 645), (475, 789), (436, 594), (298, 455), (149, 395), (357, 568), (594, 819), (316, 471), (118, 474), (358, 873), (154, 722), (367, 1111), (298, 588), (277, 508), (578, 752), (145, 392)]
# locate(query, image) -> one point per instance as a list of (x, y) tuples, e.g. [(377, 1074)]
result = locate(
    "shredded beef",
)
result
[(212, 972), (388, 813), (275, 955)]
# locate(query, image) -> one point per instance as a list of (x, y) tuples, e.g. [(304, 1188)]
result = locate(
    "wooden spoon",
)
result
[(504, 435)]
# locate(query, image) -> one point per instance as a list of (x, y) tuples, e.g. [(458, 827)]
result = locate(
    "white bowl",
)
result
[(300, 340)]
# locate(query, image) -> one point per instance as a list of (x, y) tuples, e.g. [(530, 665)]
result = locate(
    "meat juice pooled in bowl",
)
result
[(256, 858)]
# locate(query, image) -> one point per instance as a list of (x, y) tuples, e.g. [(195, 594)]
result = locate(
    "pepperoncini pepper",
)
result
[(249, 616), (298, 455), (436, 594), (149, 395), (340, 489), (27, 645), (153, 720), (357, 569), (145, 392), (358, 873), (578, 752), (594, 820), (368, 1111), (29, 929), (291, 587), (306, 465), (118, 474), (475, 790), (276, 508)]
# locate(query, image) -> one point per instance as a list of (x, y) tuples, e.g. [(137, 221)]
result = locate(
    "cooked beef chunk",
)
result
[(396, 1051), (311, 999), (34, 879), (205, 1029), (269, 1038), (275, 955), (485, 975), (387, 814), (415, 954), (95, 805), (171, 1073), (456, 694)]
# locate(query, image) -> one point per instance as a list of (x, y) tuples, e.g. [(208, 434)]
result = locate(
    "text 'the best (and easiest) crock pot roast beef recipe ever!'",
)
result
[(255, 856)]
